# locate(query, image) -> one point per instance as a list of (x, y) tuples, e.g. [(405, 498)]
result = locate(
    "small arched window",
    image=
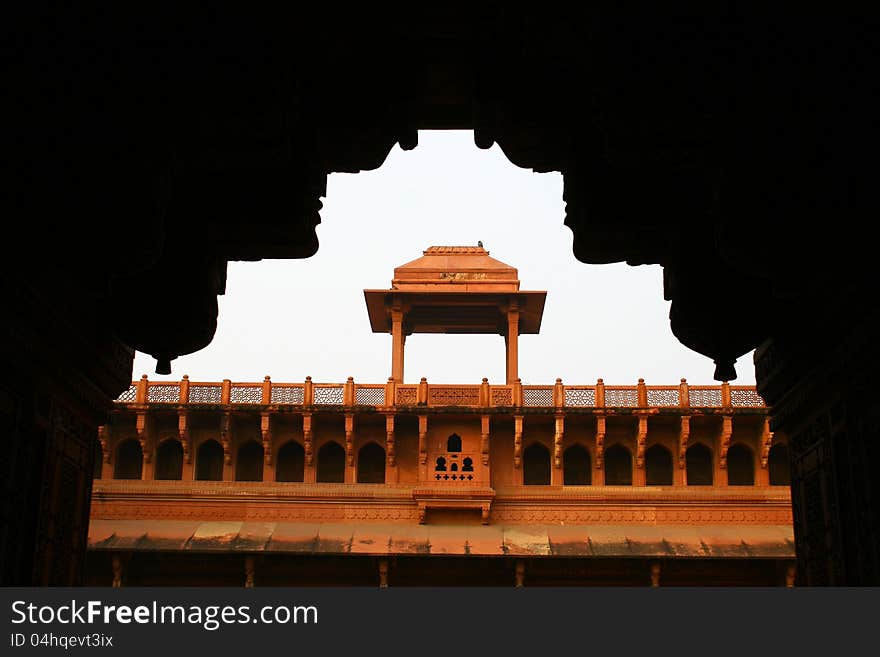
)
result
[(249, 462), (698, 460), (536, 465), (371, 464), (618, 466), (291, 462), (740, 466), (658, 466), (209, 461), (467, 464), (129, 460), (780, 468), (169, 459), (576, 466), (331, 463), (453, 443)]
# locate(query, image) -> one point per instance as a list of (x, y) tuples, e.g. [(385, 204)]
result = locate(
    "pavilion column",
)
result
[(398, 340), (512, 343)]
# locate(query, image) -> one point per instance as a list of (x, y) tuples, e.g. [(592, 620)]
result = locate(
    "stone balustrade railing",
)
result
[(484, 395)]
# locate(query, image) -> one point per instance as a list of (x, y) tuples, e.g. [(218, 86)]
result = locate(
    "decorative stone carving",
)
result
[(724, 439), (517, 440), (641, 437), (266, 437), (307, 439), (684, 433)]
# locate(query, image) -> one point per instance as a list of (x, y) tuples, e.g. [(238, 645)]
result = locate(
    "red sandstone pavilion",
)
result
[(399, 484)]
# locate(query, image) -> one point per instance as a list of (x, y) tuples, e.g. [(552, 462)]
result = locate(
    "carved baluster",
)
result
[(557, 441), (349, 439), (641, 437), (104, 439), (141, 426), (684, 434), (307, 438), (389, 441), (517, 440), (484, 439), (600, 440), (266, 436), (724, 439), (226, 438), (766, 442), (423, 439), (184, 434)]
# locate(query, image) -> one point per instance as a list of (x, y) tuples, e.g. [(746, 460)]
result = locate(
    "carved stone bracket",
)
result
[(684, 434), (557, 441), (307, 438), (389, 440), (641, 437), (724, 438), (142, 425), (484, 438), (104, 438), (226, 438), (349, 439), (517, 440), (184, 435), (266, 436), (766, 442), (600, 441), (423, 439)]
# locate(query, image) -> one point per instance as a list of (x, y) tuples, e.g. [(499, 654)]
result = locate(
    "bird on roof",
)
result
[(479, 242)]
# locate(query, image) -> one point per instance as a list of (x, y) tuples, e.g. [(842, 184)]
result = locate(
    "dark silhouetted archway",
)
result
[(249, 462), (291, 461), (740, 466), (169, 460), (453, 443), (576, 466), (371, 464), (658, 466), (129, 460), (698, 461), (209, 461), (331, 463), (618, 466), (536, 465)]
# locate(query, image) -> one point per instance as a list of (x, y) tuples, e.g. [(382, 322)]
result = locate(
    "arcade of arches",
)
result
[(703, 144)]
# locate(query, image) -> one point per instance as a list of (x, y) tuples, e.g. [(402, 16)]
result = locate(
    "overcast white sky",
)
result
[(293, 318)]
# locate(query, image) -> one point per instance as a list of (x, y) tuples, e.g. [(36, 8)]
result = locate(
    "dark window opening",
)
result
[(658, 466), (536, 465), (291, 462), (331, 463), (249, 464), (467, 464), (576, 466), (780, 467), (740, 466), (453, 443), (209, 461), (618, 466), (440, 464), (129, 460), (169, 460), (698, 461), (371, 464)]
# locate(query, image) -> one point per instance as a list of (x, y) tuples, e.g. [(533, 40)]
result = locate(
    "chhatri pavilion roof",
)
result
[(448, 268), (455, 289)]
